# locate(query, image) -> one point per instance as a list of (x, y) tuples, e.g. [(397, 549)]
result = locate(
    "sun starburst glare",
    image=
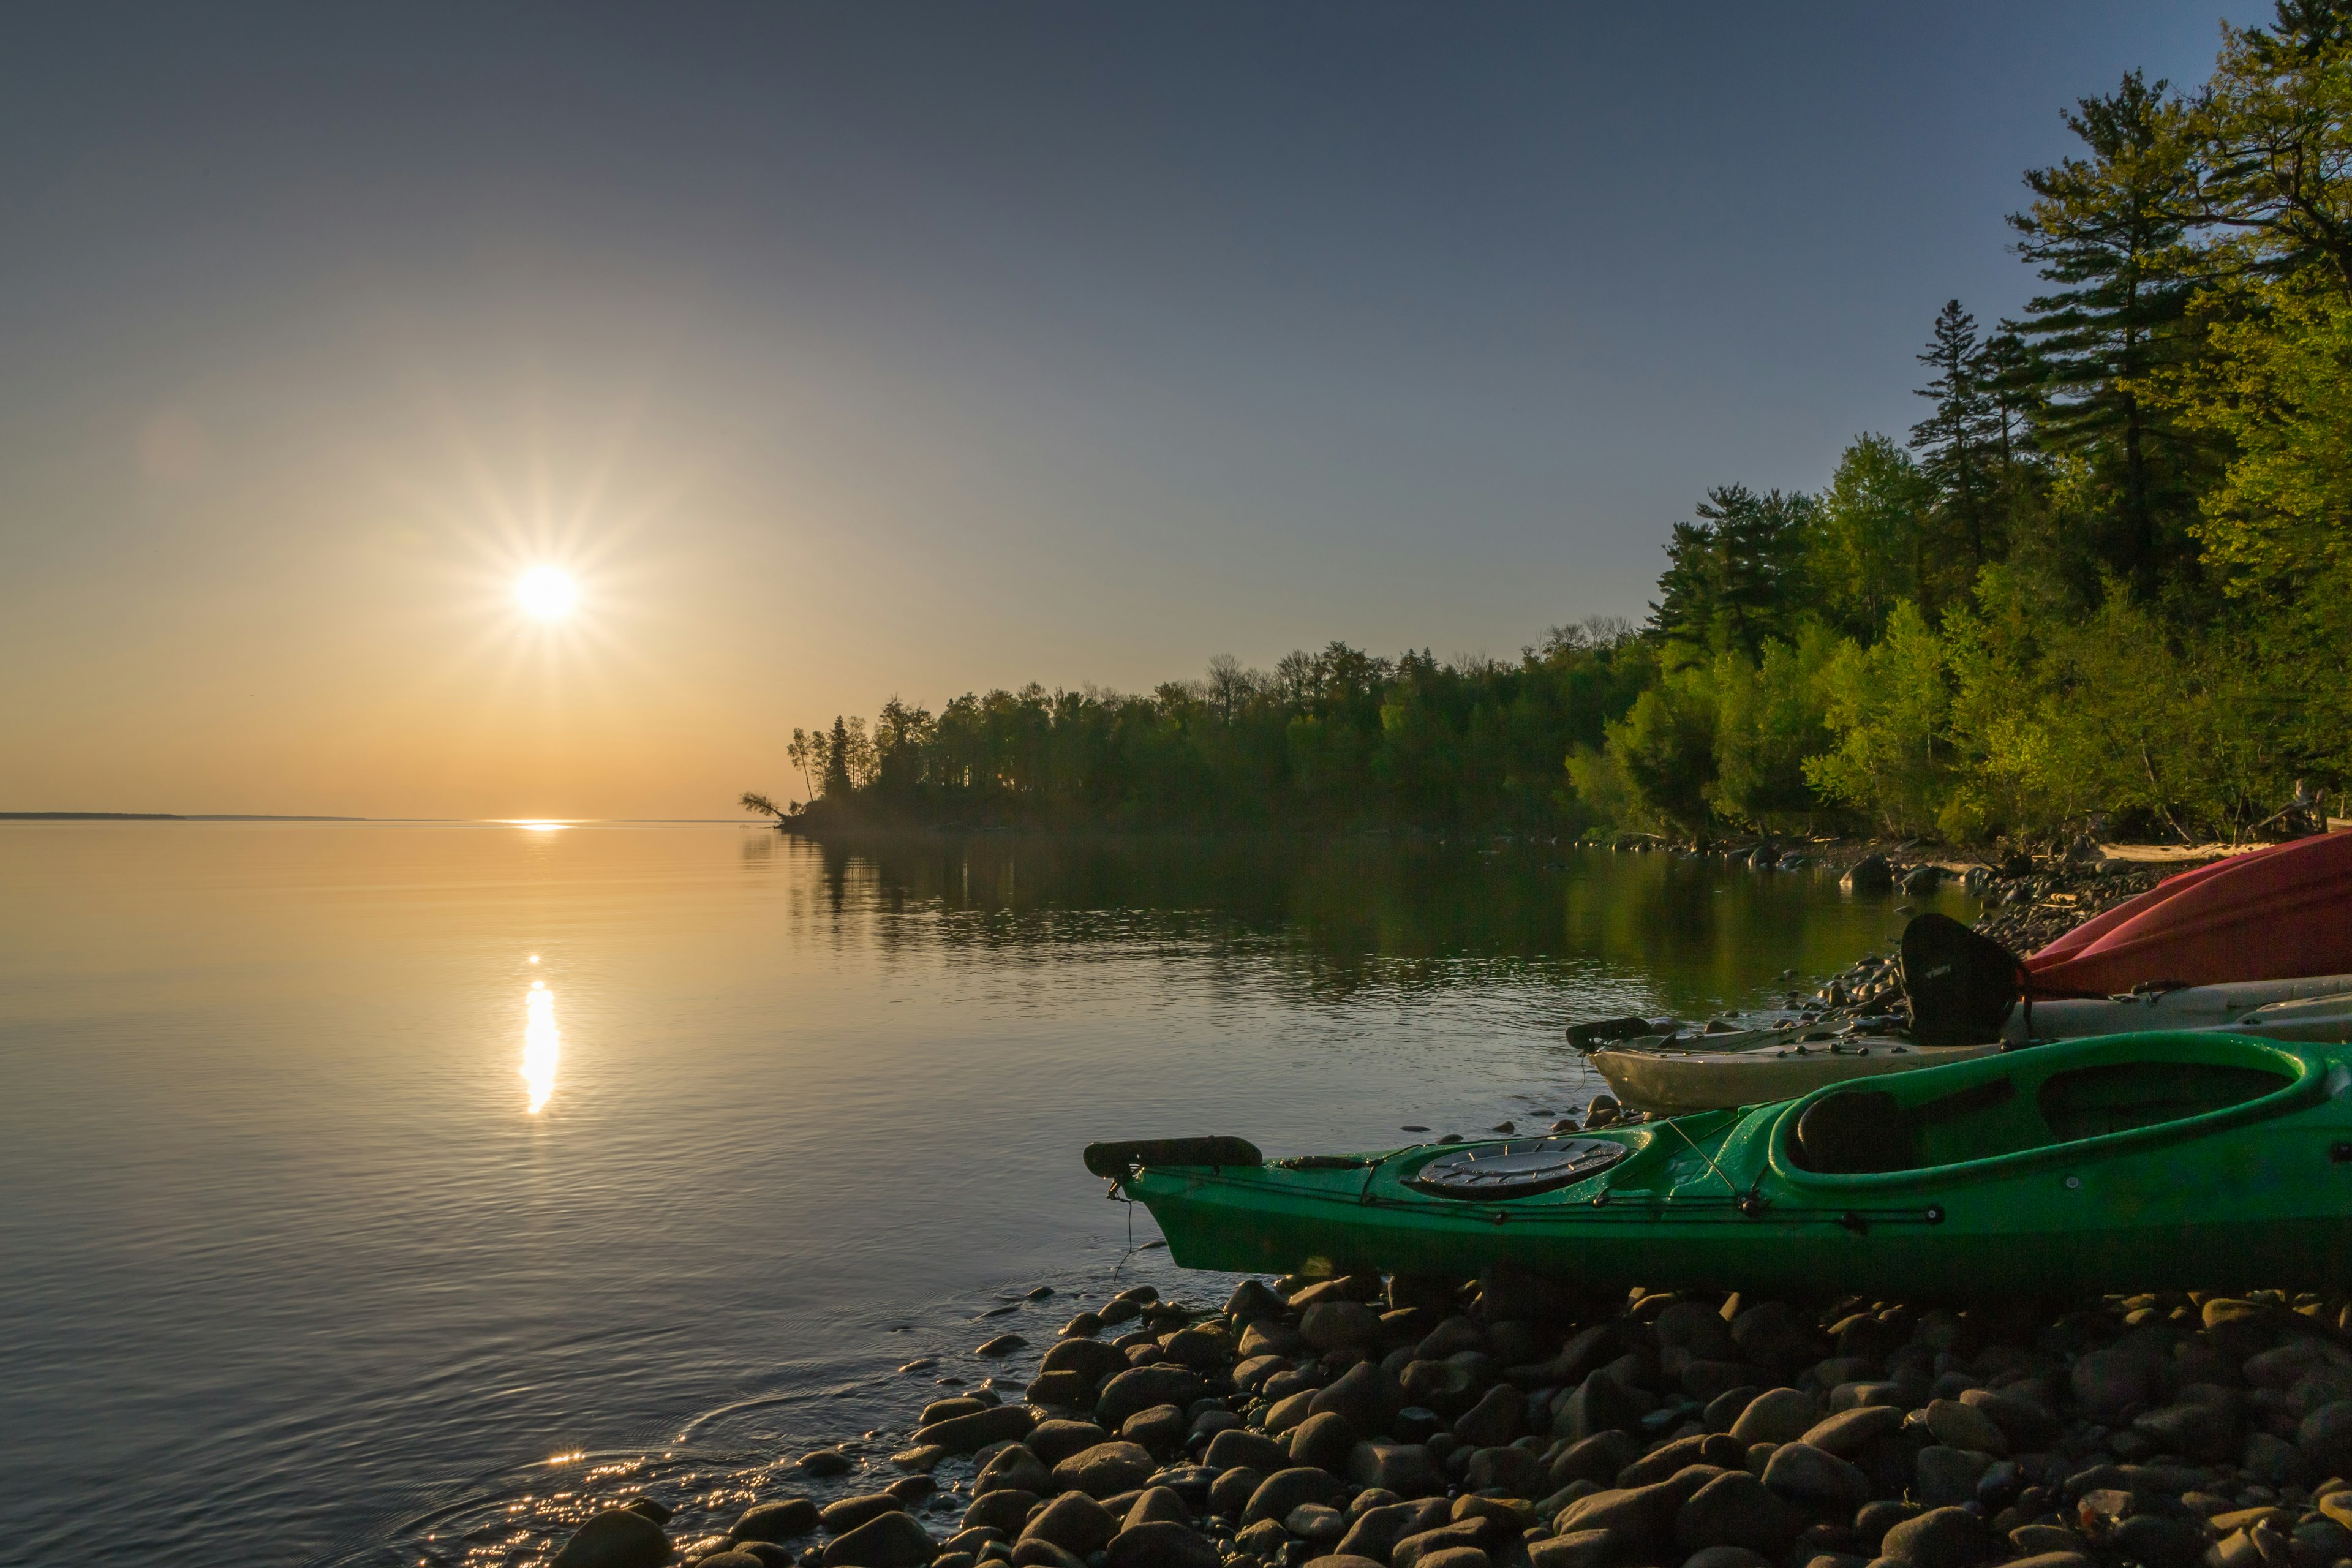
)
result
[(548, 592)]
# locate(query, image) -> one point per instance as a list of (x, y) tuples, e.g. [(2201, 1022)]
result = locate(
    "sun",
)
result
[(547, 591)]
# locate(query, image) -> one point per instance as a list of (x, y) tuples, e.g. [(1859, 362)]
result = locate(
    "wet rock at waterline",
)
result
[(616, 1538)]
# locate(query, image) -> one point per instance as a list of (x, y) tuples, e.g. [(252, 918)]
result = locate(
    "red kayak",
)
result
[(2275, 914)]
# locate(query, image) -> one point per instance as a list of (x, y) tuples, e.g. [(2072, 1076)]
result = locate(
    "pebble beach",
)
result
[(1419, 1423)]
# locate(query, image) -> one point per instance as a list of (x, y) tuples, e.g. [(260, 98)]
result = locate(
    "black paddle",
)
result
[(1961, 984)]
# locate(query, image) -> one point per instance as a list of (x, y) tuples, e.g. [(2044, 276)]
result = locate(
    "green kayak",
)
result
[(2129, 1162)]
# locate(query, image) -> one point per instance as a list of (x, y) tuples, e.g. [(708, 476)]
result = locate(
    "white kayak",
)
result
[(1757, 1067)]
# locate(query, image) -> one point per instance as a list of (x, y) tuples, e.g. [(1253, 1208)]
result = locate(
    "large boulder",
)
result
[(1870, 873), (615, 1538)]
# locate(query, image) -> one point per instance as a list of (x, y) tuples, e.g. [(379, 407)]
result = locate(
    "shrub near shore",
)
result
[(1422, 1423)]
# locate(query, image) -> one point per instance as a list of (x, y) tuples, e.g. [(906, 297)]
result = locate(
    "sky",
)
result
[(847, 351)]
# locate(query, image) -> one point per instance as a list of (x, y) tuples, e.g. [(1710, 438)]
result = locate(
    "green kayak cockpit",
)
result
[(2024, 1102)]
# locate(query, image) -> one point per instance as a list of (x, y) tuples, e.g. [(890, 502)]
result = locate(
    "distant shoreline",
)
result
[(161, 817), (390, 821)]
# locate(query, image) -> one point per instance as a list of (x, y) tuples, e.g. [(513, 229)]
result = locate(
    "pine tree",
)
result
[(2106, 228), (836, 760), (1731, 576), (1959, 442)]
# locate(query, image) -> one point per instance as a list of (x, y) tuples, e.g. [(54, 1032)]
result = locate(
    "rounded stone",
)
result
[(1404, 1469), (2326, 1438), (1314, 1521), (1736, 1509), (1156, 1505), (1055, 1440), (1727, 1557), (1159, 1544), (1161, 1428), (1230, 1493), (1239, 1446), (1015, 1465), (1958, 1425), (1940, 1538), (826, 1463), (1005, 1508), (894, 1539), (1330, 1325), (1285, 1490), (1360, 1394), (1845, 1432), (1497, 1418), (1140, 1388), (1512, 1470), (1776, 1415), (1814, 1477), (1454, 1557), (779, 1520), (1105, 1469), (1091, 1359), (1074, 1523), (849, 1512), (1323, 1441), (615, 1538), (1948, 1476)]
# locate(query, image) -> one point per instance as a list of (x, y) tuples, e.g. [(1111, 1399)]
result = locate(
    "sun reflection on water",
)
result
[(539, 1040)]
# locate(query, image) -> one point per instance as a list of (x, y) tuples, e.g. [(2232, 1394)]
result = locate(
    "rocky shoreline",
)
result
[(1365, 1422), (1508, 1422)]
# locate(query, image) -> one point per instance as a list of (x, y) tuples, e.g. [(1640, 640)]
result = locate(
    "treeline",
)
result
[(2104, 576)]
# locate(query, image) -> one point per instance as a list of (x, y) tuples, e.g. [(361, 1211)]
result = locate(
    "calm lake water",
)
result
[(372, 1195)]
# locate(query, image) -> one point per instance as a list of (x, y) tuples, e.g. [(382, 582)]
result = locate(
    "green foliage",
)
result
[(1868, 544), (1730, 574)]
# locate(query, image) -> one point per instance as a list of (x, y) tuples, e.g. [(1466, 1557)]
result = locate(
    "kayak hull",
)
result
[(1682, 1081), (2269, 915), (2246, 1192), (1767, 1068)]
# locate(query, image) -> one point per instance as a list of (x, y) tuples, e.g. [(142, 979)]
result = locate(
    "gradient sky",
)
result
[(857, 349)]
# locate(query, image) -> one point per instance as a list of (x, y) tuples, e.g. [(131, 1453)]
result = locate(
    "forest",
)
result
[(2097, 585)]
